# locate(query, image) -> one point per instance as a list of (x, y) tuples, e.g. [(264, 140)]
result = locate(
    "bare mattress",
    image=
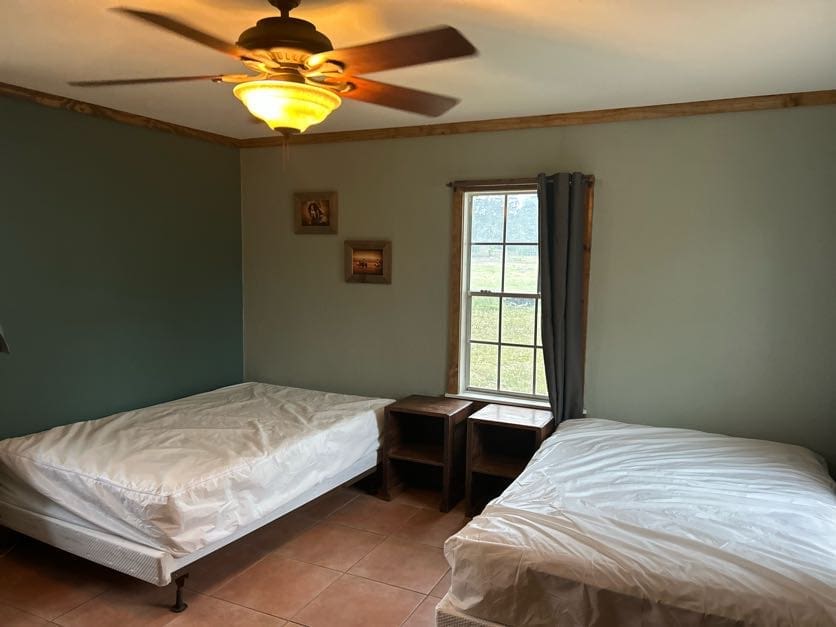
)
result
[(620, 524), (182, 475)]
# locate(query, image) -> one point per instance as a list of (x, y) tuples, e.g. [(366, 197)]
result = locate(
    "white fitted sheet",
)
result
[(183, 475), (620, 524)]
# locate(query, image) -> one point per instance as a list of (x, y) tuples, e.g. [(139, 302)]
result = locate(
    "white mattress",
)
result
[(619, 524), (140, 561), (185, 474)]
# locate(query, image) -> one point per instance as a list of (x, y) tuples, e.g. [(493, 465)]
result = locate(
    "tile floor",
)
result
[(346, 559)]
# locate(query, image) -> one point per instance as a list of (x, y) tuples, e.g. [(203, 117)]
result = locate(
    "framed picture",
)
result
[(315, 212), (368, 261)]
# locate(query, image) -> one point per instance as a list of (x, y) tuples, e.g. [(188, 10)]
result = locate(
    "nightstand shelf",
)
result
[(498, 465), (424, 442), (420, 453), (500, 442)]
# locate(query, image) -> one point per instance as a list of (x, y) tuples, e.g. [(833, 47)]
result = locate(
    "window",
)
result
[(499, 344)]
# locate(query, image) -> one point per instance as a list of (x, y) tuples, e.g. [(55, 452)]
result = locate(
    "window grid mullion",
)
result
[(491, 343), (508, 394), (531, 295), (499, 346), (502, 290), (534, 341), (509, 243)]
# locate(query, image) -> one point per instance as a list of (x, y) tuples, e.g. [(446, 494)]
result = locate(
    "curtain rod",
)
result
[(506, 183)]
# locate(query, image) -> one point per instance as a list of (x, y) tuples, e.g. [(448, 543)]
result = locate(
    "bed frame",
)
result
[(148, 564), (446, 615)]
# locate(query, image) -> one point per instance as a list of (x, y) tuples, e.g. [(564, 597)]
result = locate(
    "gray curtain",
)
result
[(562, 224)]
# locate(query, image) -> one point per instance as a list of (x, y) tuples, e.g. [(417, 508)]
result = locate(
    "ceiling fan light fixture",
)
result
[(286, 106)]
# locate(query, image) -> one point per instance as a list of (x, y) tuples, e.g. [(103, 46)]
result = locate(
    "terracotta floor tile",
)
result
[(211, 612), (424, 615), (128, 603), (329, 503), (415, 566), (12, 617), (442, 587), (355, 602), (277, 586), (419, 497), (432, 527), (273, 536), (332, 546), (373, 514), (48, 582), (138, 604), (461, 506), (8, 540), (218, 568)]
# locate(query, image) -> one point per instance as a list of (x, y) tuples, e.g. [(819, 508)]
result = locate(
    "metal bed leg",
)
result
[(179, 604)]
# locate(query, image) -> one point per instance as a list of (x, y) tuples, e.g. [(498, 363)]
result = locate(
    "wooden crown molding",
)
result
[(87, 108), (601, 116), (624, 114)]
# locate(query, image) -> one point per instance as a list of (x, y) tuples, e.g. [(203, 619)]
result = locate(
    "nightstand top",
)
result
[(430, 405), (511, 415)]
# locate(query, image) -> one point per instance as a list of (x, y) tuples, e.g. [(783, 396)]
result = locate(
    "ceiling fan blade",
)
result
[(396, 97), (433, 45), (184, 30), (142, 81)]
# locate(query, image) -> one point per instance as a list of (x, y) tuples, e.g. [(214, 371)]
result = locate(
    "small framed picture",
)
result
[(368, 261), (315, 212)]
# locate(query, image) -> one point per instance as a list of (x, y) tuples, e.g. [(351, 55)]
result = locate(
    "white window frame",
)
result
[(466, 295)]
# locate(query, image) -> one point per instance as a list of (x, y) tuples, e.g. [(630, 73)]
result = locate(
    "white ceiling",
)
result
[(536, 56)]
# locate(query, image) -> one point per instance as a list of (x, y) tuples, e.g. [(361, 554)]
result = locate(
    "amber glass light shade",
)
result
[(286, 106)]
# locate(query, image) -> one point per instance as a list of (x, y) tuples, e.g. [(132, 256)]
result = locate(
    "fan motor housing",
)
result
[(284, 32)]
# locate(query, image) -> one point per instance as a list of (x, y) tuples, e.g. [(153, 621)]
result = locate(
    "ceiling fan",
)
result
[(297, 77)]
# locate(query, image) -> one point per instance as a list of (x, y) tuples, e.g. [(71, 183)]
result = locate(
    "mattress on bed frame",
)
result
[(620, 524), (152, 565), (179, 476)]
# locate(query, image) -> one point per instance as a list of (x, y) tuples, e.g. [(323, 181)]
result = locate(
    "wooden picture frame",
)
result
[(368, 261), (315, 213)]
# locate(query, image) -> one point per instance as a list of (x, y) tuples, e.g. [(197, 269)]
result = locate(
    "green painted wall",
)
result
[(713, 297), (120, 267)]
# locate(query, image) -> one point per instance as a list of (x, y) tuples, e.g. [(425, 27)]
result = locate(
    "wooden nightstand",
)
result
[(500, 442), (424, 441)]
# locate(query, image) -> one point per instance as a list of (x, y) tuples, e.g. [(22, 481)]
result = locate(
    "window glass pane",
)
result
[(517, 373), (484, 318), (518, 320), (503, 253), (486, 218), (539, 321), (485, 268), (521, 269), (522, 218), (483, 366), (540, 387)]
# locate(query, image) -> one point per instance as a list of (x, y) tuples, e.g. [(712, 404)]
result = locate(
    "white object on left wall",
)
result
[(4, 346)]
